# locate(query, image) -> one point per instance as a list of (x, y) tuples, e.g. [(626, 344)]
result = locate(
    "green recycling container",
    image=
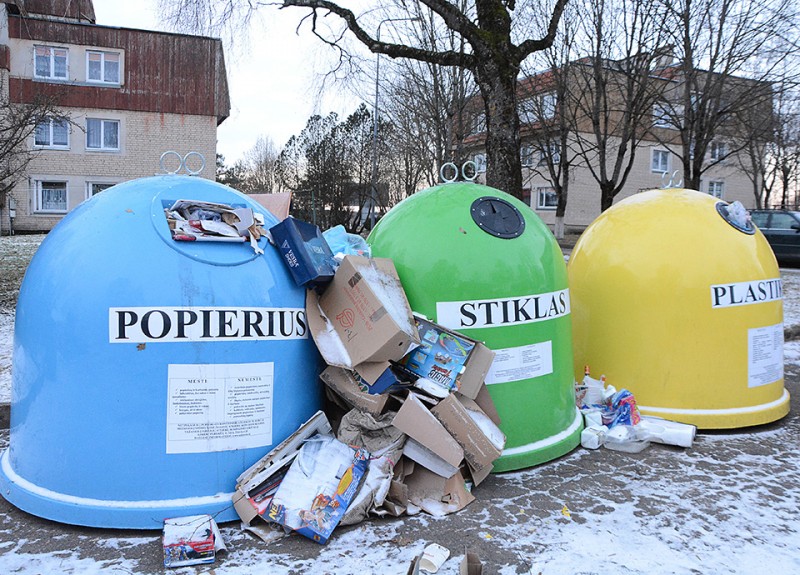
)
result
[(480, 262)]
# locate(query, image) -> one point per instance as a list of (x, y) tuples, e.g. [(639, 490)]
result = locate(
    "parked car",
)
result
[(782, 230)]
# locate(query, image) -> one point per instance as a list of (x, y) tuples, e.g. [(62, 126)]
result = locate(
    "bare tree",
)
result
[(258, 169), (783, 152), (427, 104), (546, 120), (614, 88), (493, 53), (727, 53), (18, 123)]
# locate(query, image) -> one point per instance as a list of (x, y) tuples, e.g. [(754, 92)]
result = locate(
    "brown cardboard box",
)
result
[(471, 564), (416, 421), (366, 308), (435, 494), (344, 383), (453, 413)]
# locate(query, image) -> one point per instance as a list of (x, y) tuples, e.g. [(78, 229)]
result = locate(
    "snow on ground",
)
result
[(6, 347), (728, 505)]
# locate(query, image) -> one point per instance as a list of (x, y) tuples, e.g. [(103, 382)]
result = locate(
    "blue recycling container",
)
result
[(149, 373)]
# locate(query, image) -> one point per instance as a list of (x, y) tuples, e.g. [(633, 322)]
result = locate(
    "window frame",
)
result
[(103, 147), (665, 115), (720, 194), (480, 162), (90, 184), (718, 151), (526, 153), (102, 80), (541, 198), (552, 156), (50, 145), (38, 200), (549, 104), (51, 63), (658, 151)]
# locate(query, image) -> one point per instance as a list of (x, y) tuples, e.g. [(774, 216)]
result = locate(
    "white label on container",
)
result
[(518, 363), (764, 355), (219, 407), (502, 312), (161, 324), (746, 293)]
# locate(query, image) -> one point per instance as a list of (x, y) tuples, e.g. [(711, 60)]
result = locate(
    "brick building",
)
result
[(656, 161), (128, 96)]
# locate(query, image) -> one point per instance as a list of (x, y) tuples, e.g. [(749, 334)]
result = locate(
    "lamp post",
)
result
[(374, 176)]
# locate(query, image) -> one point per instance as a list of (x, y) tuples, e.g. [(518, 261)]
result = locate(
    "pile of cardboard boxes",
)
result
[(406, 397)]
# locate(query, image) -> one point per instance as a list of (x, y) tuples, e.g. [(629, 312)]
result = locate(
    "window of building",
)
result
[(659, 161), (665, 115), (52, 133), (102, 134), (478, 125), (480, 162), (533, 110), (51, 197), (717, 151), (549, 103), (102, 67), (546, 199), (527, 111), (526, 154), (50, 62), (94, 188), (550, 156), (716, 189)]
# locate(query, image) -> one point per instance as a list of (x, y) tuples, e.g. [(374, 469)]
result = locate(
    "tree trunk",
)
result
[(606, 196), (497, 83), (561, 206)]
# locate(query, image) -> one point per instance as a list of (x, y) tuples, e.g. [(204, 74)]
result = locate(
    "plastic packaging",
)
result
[(625, 438), (623, 410), (345, 244), (665, 431), (593, 437), (590, 392)]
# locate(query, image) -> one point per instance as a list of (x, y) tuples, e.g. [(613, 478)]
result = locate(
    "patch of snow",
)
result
[(391, 294), (6, 352)]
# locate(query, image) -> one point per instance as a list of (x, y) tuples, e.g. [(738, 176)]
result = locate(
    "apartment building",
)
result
[(656, 164), (124, 96)]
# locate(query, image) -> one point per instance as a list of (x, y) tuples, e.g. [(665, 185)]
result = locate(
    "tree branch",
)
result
[(530, 46), (444, 58)]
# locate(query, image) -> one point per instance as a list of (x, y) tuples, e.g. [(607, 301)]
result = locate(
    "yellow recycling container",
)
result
[(680, 302)]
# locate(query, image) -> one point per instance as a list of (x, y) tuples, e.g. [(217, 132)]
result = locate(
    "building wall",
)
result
[(583, 201), (171, 95), (144, 137)]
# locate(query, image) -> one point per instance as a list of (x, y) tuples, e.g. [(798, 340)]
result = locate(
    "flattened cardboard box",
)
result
[(453, 413), (435, 494), (191, 540), (416, 421), (360, 303), (346, 384)]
